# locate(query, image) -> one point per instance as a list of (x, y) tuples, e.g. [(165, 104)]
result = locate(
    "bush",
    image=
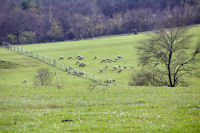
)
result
[(135, 32), (28, 37), (147, 77), (11, 38), (43, 77)]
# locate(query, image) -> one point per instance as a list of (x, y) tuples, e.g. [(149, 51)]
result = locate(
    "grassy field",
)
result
[(92, 108)]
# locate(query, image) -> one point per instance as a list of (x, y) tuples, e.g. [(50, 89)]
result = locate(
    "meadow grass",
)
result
[(105, 47), (92, 108)]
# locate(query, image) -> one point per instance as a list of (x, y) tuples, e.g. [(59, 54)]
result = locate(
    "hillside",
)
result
[(82, 106), (103, 48)]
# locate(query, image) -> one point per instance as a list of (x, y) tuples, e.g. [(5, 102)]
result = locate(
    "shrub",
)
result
[(147, 77), (28, 37), (135, 32), (43, 78)]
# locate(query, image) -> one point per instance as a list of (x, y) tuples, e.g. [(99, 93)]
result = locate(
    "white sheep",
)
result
[(119, 57), (115, 67), (81, 58), (103, 60), (81, 73), (70, 57), (25, 81), (61, 58), (95, 57), (67, 69), (108, 80), (77, 62), (37, 75), (77, 57), (55, 73), (120, 70), (76, 72), (82, 65), (101, 70), (157, 63), (70, 67)]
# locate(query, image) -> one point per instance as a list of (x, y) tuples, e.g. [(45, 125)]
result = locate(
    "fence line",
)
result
[(53, 62)]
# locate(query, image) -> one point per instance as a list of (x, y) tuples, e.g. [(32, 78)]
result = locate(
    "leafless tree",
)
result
[(168, 50)]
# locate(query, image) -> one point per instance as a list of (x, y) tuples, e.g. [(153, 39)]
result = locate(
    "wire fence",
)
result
[(63, 67)]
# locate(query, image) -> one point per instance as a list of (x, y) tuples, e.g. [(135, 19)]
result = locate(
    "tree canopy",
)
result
[(58, 20)]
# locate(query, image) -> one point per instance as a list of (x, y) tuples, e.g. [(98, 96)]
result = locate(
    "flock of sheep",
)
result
[(79, 62)]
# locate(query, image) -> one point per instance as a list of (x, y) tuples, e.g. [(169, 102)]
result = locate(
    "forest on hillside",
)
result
[(35, 21)]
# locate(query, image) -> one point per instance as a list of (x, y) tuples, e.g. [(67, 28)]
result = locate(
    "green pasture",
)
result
[(90, 107)]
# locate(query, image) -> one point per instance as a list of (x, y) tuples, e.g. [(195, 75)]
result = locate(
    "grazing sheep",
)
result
[(70, 68), (81, 73), (61, 58), (157, 63), (82, 65), (115, 67), (37, 75), (125, 67), (70, 57), (119, 57), (103, 60), (77, 57), (120, 70), (55, 73), (101, 70), (108, 80), (76, 72), (67, 69), (116, 59), (109, 60), (95, 57), (25, 81), (77, 62), (81, 58)]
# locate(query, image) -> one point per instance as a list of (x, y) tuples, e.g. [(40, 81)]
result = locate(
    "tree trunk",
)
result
[(18, 38), (169, 70), (1, 40)]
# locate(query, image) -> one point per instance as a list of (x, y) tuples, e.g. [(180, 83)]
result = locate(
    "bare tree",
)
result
[(168, 50)]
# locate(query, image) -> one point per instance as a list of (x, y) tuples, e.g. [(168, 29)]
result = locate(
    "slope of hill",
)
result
[(103, 48), (81, 106)]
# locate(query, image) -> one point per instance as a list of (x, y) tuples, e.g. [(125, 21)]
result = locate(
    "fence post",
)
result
[(31, 54), (49, 61), (54, 62), (43, 58), (17, 49), (21, 51)]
